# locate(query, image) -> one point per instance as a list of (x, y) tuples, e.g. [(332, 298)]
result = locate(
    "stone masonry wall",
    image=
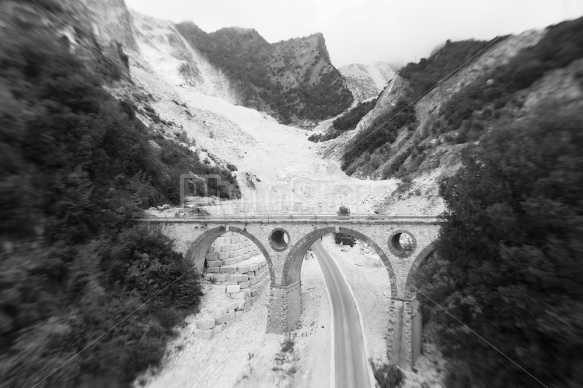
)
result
[(231, 248), (285, 308)]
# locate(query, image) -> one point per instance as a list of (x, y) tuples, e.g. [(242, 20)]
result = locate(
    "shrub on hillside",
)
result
[(344, 239), (76, 169), (388, 375), (343, 211), (509, 255)]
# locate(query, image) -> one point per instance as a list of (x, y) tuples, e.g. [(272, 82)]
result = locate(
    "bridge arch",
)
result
[(293, 263), (198, 249), (409, 283)]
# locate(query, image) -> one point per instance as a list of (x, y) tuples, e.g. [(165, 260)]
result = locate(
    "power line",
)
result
[(423, 94), (480, 337)]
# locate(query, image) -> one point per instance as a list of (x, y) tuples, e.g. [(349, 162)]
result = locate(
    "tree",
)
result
[(509, 255)]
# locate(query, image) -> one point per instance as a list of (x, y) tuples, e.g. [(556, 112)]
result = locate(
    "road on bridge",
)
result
[(350, 364)]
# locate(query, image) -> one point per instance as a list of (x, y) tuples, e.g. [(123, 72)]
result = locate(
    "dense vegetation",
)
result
[(561, 45), (375, 141), (261, 73), (509, 257), (350, 119), (84, 291), (346, 122), (379, 136), (425, 74)]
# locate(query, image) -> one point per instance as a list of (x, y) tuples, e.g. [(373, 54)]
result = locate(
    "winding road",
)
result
[(350, 364)]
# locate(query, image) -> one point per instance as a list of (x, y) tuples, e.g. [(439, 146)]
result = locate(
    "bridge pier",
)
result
[(404, 342), (285, 307)]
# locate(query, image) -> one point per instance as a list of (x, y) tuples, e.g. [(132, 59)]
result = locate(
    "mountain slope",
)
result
[(367, 81), (293, 80)]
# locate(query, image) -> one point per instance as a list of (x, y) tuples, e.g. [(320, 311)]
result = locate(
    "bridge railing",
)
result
[(292, 217), (265, 208)]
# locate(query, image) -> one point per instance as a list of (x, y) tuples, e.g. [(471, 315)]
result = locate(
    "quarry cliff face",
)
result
[(367, 81), (292, 80)]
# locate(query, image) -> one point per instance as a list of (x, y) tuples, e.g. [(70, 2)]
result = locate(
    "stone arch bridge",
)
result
[(401, 242)]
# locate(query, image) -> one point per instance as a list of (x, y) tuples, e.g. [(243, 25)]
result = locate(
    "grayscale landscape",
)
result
[(304, 194)]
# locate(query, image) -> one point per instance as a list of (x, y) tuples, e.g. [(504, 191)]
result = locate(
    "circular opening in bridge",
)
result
[(402, 243), (279, 239)]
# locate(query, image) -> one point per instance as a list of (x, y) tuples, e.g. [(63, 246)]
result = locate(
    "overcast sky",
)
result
[(367, 31)]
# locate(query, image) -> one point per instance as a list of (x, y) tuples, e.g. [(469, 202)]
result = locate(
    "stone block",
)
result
[(213, 269), (228, 269), (239, 295), (218, 277), (253, 281), (233, 254), (247, 291), (254, 267), (240, 304), (230, 261), (244, 268), (224, 255), (218, 311), (233, 289), (218, 329), (229, 283), (205, 323), (238, 278), (212, 256), (223, 318), (214, 263), (232, 306), (204, 334), (244, 285)]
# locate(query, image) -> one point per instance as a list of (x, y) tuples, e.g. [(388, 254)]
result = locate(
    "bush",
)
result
[(344, 239), (343, 211), (388, 375)]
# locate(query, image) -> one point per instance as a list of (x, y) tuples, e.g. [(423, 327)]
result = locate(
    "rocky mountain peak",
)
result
[(367, 81)]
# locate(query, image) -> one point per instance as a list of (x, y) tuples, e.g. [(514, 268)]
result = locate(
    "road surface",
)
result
[(350, 364)]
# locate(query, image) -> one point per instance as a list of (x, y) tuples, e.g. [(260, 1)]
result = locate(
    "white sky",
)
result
[(366, 31)]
